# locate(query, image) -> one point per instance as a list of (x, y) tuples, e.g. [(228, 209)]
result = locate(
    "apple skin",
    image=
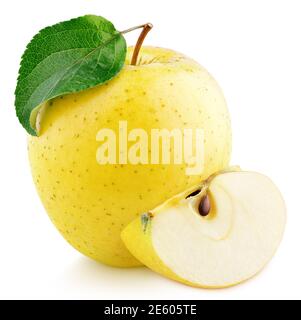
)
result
[(91, 204)]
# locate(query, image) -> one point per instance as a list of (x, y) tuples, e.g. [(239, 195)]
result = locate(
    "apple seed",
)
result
[(193, 194), (204, 206)]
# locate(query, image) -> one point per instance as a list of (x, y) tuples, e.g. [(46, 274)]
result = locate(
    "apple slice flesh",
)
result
[(233, 243)]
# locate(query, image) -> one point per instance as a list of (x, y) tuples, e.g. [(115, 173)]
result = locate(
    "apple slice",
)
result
[(214, 236)]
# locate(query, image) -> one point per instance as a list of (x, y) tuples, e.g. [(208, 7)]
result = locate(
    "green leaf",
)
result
[(67, 57)]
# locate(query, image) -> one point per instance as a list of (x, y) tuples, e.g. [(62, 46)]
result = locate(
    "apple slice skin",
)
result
[(140, 243)]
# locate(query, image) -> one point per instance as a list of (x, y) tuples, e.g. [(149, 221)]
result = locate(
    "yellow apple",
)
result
[(90, 203)]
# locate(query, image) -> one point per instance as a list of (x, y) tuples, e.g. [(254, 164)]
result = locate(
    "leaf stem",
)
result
[(146, 29)]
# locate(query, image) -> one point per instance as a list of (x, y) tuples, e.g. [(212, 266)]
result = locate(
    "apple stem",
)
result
[(146, 29)]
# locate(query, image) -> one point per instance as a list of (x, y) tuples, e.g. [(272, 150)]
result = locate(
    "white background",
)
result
[(253, 48)]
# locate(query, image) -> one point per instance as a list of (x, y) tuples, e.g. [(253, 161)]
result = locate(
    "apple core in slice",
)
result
[(231, 244)]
